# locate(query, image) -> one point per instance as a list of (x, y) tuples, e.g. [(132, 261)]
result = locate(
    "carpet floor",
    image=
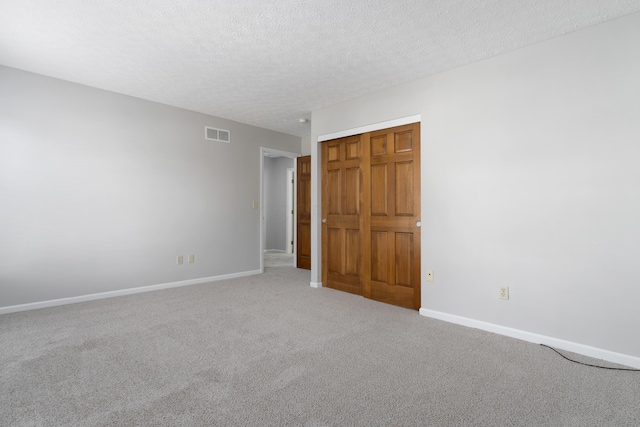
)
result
[(270, 350), (278, 259)]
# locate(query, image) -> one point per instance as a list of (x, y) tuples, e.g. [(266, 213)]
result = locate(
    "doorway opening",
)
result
[(277, 201)]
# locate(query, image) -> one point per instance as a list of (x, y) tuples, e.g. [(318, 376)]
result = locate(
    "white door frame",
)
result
[(290, 221), (263, 229)]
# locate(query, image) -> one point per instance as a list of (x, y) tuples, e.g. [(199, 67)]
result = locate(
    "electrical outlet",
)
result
[(429, 275), (191, 258), (179, 259), (504, 292)]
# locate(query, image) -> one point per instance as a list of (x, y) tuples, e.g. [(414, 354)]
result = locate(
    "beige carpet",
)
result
[(270, 350), (278, 259)]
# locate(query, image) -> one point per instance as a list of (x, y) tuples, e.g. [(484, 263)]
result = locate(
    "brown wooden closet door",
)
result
[(303, 213), (392, 245), (371, 204), (341, 206)]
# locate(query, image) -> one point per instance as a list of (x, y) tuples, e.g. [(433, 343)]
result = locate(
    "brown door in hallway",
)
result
[(303, 213), (371, 203)]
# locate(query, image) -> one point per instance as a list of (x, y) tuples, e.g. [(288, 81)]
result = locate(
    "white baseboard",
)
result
[(122, 292), (598, 353), (316, 284)]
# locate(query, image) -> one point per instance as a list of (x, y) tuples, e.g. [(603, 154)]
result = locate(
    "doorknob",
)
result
[(324, 220), (418, 224)]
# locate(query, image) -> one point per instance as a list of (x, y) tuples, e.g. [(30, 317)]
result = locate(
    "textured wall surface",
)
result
[(268, 63)]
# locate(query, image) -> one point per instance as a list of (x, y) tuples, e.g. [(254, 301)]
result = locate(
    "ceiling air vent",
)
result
[(220, 135)]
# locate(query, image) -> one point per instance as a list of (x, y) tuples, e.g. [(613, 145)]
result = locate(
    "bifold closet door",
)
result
[(371, 215), (392, 229), (341, 205)]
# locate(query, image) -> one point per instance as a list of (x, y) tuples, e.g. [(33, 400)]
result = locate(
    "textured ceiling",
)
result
[(269, 63)]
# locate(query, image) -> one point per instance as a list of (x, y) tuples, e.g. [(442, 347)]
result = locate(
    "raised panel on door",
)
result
[(404, 259), (352, 191), (404, 202), (303, 212), (379, 257), (335, 244), (341, 206), (379, 187), (334, 187), (304, 245), (352, 261), (378, 145), (393, 269)]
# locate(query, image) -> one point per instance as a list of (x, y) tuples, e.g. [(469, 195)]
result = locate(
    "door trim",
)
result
[(370, 128), (289, 217)]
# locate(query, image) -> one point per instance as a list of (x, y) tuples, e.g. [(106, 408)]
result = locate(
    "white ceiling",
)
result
[(269, 63)]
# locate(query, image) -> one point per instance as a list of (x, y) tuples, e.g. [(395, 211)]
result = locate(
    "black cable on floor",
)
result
[(593, 366)]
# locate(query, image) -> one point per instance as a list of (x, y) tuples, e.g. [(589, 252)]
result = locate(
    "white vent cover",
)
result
[(220, 135)]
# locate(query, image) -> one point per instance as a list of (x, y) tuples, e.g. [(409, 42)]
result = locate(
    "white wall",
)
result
[(99, 192), (275, 191), (530, 173), (306, 145)]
